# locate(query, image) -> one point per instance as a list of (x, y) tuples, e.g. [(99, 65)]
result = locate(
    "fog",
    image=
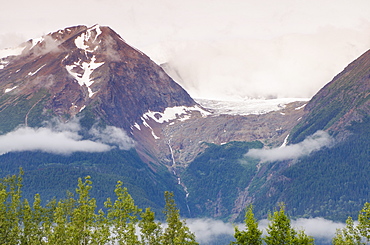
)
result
[(206, 230), (312, 143), (222, 49), (63, 138), (292, 65)]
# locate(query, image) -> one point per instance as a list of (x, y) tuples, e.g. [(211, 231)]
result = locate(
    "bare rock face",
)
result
[(186, 138), (81, 67)]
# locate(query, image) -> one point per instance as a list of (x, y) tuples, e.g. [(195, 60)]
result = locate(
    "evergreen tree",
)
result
[(10, 208), (83, 215), (75, 221), (364, 222), (352, 234), (150, 231), (252, 235), (176, 232), (349, 235), (122, 216), (279, 230)]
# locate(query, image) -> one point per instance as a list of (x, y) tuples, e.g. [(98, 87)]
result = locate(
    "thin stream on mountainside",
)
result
[(178, 177)]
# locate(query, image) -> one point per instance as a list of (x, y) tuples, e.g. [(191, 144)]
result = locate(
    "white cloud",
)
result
[(291, 65), (47, 140), (241, 48), (47, 45), (318, 227), (113, 135), (312, 143), (63, 138), (206, 230)]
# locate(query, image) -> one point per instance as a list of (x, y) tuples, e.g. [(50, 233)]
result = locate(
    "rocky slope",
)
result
[(79, 67), (91, 73)]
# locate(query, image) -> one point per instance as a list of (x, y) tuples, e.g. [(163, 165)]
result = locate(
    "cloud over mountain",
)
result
[(312, 143), (63, 138)]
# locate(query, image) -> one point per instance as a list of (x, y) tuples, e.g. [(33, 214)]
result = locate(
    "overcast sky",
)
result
[(221, 48)]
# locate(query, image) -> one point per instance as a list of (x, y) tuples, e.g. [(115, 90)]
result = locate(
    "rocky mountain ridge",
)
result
[(92, 74)]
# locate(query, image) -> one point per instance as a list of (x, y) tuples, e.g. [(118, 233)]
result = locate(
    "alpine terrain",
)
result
[(81, 101)]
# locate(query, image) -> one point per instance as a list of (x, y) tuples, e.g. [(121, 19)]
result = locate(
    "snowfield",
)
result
[(248, 106)]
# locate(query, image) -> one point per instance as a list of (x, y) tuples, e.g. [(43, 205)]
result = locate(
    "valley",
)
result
[(128, 120)]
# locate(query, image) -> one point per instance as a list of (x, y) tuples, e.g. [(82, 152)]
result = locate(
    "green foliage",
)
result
[(216, 176), (51, 175), (252, 235), (355, 234), (348, 235), (279, 230), (364, 221), (88, 118), (76, 221), (176, 232), (10, 209), (14, 114), (151, 231), (123, 216), (331, 183)]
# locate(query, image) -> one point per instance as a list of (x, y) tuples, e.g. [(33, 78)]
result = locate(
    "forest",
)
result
[(76, 220)]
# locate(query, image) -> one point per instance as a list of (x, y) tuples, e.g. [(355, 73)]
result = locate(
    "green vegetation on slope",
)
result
[(51, 175), (331, 183), (75, 220), (216, 176), (15, 114)]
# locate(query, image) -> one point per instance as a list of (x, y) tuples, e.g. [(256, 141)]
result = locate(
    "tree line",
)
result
[(76, 220)]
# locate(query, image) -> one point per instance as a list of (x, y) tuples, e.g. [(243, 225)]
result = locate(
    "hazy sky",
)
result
[(221, 48)]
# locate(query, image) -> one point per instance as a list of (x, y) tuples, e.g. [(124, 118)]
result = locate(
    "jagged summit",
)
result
[(64, 72)]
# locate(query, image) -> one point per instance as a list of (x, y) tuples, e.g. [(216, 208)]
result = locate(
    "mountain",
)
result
[(90, 73), (116, 115), (339, 103), (330, 182)]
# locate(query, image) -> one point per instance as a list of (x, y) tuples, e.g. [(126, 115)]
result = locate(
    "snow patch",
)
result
[(83, 107), (33, 73), (171, 113), (11, 51), (81, 40), (285, 141), (298, 108), (148, 126), (247, 106), (10, 89), (36, 41), (84, 78), (97, 30), (137, 126)]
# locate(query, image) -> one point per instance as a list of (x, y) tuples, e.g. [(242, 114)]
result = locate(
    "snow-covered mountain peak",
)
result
[(88, 40)]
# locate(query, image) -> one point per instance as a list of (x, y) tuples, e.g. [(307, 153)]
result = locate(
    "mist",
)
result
[(311, 144), (64, 138), (289, 66), (113, 135), (207, 230), (222, 49)]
